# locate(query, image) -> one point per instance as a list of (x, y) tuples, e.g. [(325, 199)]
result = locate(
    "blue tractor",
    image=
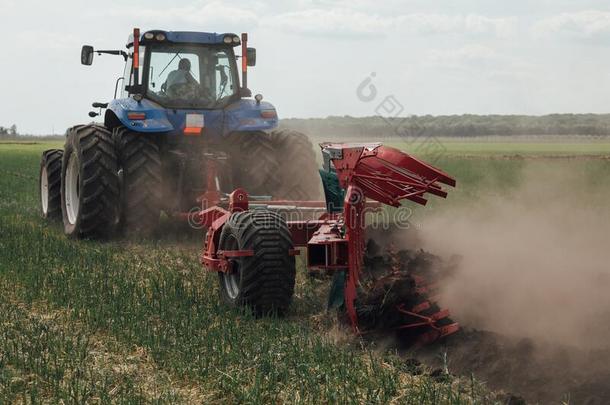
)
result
[(179, 104)]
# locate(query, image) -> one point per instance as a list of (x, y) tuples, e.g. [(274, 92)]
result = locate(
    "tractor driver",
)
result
[(180, 83)]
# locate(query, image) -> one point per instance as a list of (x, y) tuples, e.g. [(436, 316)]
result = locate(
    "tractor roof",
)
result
[(191, 37)]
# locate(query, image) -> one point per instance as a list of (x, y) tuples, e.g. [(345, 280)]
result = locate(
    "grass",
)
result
[(127, 322)]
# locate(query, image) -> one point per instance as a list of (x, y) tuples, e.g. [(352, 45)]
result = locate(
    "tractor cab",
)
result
[(185, 70), (170, 75), (186, 76)]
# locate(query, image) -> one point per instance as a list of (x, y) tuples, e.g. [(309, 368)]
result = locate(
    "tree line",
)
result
[(466, 125), (9, 131)]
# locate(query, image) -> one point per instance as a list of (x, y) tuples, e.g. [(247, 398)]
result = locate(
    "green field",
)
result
[(518, 146), (140, 322)]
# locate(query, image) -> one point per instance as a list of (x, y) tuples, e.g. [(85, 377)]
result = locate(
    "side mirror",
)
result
[(86, 55), (251, 55)]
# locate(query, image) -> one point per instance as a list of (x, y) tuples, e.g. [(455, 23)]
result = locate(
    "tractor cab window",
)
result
[(223, 84), (188, 76)]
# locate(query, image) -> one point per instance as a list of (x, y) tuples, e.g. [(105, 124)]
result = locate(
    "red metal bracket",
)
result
[(225, 254), (238, 200), (435, 332)]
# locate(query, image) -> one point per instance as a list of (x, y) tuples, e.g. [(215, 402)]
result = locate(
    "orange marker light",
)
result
[(192, 131), (136, 116), (268, 114)]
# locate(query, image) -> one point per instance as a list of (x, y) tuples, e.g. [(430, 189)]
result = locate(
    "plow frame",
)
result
[(335, 241)]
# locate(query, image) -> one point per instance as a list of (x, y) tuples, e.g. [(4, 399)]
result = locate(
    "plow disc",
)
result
[(397, 293)]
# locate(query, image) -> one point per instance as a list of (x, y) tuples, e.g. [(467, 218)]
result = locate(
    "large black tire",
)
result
[(49, 184), (281, 164), (89, 183), (298, 175), (253, 163), (263, 282), (140, 171)]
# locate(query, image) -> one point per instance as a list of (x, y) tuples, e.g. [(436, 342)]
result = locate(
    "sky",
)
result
[(321, 57)]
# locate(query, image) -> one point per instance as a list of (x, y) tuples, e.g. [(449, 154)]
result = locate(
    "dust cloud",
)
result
[(535, 258), (532, 291)]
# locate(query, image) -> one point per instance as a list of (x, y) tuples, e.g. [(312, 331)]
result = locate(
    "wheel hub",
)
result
[(44, 190), (232, 279), (72, 192)]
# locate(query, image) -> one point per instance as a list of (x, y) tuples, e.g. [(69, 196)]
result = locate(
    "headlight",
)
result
[(236, 39), (227, 39), (149, 35), (160, 37)]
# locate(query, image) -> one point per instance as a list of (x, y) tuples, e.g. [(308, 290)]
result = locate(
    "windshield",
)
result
[(191, 76)]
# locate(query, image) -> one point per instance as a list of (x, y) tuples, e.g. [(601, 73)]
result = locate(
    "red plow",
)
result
[(252, 246)]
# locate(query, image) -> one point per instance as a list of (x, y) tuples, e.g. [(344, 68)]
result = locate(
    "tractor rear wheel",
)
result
[(298, 174), (89, 183), (140, 171), (50, 183), (281, 164), (265, 281), (253, 163)]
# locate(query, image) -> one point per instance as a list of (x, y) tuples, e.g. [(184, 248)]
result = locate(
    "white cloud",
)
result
[(502, 27), (321, 22), (479, 60), (345, 22), (464, 57), (587, 24), (457, 24), (325, 18), (53, 41), (7, 6), (209, 16)]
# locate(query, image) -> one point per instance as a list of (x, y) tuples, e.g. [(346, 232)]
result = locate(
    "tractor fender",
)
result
[(155, 116), (248, 115)]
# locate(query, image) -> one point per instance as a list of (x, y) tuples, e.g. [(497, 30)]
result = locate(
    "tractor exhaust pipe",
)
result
[(136, 56), (244, 60)]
